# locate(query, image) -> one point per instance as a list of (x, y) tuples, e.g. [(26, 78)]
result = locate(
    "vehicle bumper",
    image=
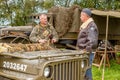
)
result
[(8, 75)]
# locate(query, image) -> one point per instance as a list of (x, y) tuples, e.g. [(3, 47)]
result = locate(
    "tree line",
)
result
[(15, 12)]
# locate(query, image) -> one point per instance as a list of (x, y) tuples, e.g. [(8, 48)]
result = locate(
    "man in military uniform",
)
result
[(43, 32)]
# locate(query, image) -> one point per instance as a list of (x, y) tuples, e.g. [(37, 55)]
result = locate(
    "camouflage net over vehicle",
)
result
[(4, 47), (65, 18)]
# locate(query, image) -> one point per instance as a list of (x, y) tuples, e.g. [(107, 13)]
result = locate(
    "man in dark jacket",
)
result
[(88, 37)]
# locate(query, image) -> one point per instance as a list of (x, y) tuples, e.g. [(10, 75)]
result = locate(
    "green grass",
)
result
[(111, 73)]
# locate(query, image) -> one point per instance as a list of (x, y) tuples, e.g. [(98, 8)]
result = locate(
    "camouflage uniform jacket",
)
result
[(46, 32)]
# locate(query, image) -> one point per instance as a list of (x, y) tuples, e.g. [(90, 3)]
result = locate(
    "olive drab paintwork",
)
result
[(44, 65)]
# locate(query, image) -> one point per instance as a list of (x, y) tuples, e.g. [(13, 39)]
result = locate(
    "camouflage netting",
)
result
[(4, 47), (64, 18)]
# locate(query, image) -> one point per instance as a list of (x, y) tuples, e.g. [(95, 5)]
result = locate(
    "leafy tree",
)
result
[(16, 11)]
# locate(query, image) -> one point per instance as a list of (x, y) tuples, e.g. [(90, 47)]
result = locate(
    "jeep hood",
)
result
[(31, 64)]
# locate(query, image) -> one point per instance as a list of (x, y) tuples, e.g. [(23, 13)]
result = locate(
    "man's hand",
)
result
[(42, 41), (53, 40)]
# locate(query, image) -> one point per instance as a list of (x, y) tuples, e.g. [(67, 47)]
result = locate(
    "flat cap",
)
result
[(87, 11)]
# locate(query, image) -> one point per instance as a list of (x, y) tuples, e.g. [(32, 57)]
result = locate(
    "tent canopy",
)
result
[(105, 13)]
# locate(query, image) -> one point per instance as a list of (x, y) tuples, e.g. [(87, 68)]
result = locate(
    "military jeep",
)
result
[(60, 64)]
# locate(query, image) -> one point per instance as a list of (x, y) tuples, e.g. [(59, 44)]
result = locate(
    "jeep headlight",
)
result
[(29, 79), (82, 64), (47, 72)]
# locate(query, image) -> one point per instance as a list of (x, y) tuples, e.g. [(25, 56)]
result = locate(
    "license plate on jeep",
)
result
[(14, 66)]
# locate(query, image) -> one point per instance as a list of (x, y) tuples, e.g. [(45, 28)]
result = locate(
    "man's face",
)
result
[(83, 16), (43, 19)]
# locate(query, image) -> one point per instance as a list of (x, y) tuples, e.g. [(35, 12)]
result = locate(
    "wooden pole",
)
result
[(107, 22)]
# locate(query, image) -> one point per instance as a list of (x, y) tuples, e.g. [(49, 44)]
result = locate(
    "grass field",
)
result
[(111, 73)]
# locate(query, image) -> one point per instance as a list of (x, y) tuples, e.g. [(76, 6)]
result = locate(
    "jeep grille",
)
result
[(69, 70)]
